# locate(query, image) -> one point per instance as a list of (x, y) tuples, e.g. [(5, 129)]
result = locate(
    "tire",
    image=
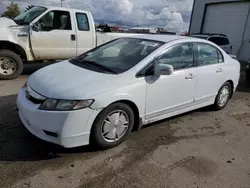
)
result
[(102, 122), (14, 60), (218, 105)]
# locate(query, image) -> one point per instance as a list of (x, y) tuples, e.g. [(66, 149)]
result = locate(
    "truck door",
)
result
[(86, 38), (54, 37)]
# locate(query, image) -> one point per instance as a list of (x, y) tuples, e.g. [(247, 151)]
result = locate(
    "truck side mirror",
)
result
[(35, 27)]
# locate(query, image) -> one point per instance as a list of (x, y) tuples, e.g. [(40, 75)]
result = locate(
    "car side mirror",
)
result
[(163, 69)]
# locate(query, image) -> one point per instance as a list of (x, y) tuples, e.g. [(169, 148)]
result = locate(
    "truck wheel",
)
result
[(11, 65)]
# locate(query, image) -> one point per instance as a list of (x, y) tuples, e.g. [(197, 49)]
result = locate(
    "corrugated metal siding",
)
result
[(241, 43), (198, 12), (229, 19)]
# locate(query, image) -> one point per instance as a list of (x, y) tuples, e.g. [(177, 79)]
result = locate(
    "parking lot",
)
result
[(203, 148)]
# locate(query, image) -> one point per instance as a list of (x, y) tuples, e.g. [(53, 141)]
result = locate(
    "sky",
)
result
[(174, 15)]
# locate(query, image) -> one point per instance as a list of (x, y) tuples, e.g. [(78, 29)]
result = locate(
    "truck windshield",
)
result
[(117, 56), (30, 15)]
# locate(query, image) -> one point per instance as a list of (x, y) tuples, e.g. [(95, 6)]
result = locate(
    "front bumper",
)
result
[(67, 128)]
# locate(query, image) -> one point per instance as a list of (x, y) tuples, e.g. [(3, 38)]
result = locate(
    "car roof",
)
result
[(161, 38), (209, 35), (167, 38), (200, 36)]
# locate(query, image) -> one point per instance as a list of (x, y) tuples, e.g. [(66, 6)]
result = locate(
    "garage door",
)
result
[(229, 19)]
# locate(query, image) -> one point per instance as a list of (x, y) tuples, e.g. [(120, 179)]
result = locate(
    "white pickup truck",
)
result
[(46, 33)]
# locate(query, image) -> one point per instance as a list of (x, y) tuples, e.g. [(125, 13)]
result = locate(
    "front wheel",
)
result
[(11, 65), (223, 96), (112, 125)]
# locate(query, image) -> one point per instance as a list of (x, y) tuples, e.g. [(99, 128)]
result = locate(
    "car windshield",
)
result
[(117, 56), (30, 15)]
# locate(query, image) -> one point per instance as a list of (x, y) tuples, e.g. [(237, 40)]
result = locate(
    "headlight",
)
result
[(65, 105)]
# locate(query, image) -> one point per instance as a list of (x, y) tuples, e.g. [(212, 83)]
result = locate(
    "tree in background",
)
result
[(28, 7), (12, 10)]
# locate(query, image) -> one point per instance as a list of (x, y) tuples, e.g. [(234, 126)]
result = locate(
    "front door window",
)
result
[(55, 20), (179, 56)]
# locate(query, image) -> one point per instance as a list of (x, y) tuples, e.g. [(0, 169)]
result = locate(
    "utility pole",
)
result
[(62, 2)]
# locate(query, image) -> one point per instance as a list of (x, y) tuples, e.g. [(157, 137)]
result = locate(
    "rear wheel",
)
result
[(112, 125), (223, 96), (11, 65)]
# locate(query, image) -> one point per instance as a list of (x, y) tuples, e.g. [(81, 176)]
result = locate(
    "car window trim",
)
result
[(218, 51), (223, 59), (138, 74)]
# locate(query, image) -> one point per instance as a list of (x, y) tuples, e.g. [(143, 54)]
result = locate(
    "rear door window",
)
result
[(208, 55), (82, 21)]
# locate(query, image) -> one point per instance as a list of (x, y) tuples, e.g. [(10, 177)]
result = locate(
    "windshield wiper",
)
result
[(93, 63)]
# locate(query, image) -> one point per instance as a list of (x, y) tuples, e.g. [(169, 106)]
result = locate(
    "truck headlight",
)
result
[(65, 105)]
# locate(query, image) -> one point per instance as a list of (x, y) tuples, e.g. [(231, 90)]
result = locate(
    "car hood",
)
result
[(64, 80), (6, 22), (10, 31)]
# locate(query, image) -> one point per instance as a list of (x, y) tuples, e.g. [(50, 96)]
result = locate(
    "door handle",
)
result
[(73, 37), (219, 70), (190, 76), (22, 35)]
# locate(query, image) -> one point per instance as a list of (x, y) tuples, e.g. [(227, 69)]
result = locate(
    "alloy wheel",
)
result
[(115, 126), (223, 96)]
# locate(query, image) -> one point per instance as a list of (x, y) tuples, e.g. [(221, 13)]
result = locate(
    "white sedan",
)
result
[(101, 95)]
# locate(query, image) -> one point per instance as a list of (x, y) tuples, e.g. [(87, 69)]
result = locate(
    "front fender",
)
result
[(17, 35), (133, 93)]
